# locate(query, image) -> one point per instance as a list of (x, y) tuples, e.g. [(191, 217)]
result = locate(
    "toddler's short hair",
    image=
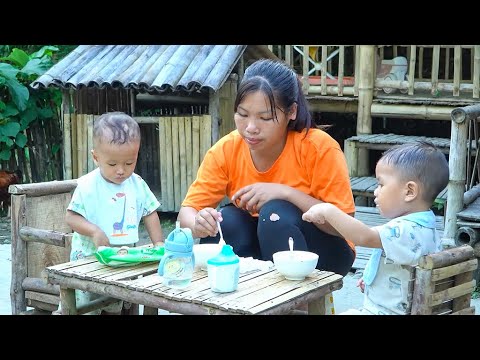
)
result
[(420, 161), (116, 128)]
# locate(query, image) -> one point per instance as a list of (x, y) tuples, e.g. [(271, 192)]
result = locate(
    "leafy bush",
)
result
[(19, 104)]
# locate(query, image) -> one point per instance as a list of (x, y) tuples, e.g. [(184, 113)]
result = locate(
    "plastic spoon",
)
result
[(222, 241), (290, 245)]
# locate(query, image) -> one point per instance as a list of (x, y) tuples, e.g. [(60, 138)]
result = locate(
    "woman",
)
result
[(273, 167)]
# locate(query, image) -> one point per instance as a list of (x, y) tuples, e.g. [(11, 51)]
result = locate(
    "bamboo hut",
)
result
[(181, 95), (416, 82)]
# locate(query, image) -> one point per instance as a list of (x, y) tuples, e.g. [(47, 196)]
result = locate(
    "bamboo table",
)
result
[(258, 292)]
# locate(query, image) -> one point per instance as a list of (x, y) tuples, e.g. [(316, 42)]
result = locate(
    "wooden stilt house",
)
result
[(438, 84), (181, 95)]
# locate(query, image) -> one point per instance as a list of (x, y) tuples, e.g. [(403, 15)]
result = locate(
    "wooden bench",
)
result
[(442, 283), (40, 238)]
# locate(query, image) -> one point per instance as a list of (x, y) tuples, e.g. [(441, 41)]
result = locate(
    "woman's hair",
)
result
[(116, 128), (282, 87), (420, 161)]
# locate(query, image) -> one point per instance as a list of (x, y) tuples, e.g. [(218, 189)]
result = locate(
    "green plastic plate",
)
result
[(126, 256)]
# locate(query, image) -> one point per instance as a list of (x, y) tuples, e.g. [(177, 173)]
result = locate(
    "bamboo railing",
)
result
[(438, 71)]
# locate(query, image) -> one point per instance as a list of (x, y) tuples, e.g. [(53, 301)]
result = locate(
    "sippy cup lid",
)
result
[(225, 257), (179, 240)]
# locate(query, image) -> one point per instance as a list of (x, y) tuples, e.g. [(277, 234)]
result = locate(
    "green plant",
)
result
[(476, 292), (438, 207), (19, 104)]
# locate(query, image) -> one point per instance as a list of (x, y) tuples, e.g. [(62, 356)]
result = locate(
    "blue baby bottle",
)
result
[(178, 262)]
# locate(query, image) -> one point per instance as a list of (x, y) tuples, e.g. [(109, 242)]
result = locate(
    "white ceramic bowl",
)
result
[(296, 264), (203, 252)]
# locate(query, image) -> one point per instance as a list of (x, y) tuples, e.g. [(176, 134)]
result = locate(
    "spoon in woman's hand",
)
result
[(222, 241)]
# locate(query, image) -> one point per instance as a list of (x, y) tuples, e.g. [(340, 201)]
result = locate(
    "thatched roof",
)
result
[(151, 68)]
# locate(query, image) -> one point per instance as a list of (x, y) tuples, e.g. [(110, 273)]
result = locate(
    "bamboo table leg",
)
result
[(147, 310), (68, 302), (317, 307)]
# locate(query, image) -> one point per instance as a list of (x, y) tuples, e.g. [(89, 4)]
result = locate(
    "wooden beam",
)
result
[(39, 285), (19, 255), (43, 188), (50, 237), (441, 259), (426, 112)]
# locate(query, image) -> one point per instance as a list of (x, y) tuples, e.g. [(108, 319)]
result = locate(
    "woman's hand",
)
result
[(206, 222), (253, 197)]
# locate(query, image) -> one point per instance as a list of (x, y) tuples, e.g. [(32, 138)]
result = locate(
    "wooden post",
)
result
[(324, 70), (457, 165), (89, 160), (341, 69), (305, 66), (19, 255), (420, 63), (457, 68), (162, 141), (357, 69), (447, 63), (411, 71), (317, 307), (214, 110), (67, 299), (73, 127), (288, 55), (67, 142), (435, 65), (168, 193), (476, 72), (423, 290), (365, 97), (176, 163), (133, 98)]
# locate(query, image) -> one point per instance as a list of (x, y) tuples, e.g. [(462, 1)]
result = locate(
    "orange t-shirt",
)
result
[(314, 164)]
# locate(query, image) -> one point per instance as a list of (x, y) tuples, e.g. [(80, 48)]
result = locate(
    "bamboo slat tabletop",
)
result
[(258, 292)]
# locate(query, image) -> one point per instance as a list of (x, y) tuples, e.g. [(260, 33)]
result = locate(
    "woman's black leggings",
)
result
[(278, 220)]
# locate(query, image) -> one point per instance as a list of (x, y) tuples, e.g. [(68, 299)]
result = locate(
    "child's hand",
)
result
[(361, 284), (100, 238), (158, 244), (315, 214)]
